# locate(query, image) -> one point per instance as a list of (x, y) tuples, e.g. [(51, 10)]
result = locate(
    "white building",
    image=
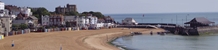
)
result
[(129, 21), (45, 20), (25, 10), (4, 12), (2, 5), (13, 16), (100, 25), (69, 18), (83, 22), (93, 20), (2, 8), (6, 24)]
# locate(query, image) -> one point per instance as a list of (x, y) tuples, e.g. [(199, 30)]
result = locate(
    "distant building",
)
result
[(2, 5), (69, 18), (25, 10), (57, 20), (199, 22), (18, 22), (83, 22), (62, 10), (108, 19), (6, 24), (32, 21), (2, 8), (70, 21), (12, 9), (129, 21), (93, 19), (45, 20)]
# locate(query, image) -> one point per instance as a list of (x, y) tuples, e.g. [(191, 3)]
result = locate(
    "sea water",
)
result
[(175, 18), (167, 42)]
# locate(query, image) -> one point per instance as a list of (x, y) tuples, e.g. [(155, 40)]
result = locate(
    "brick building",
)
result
[(69, 8), (56, 20)]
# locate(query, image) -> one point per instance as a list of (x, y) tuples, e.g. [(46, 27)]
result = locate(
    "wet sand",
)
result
[(70, 40)]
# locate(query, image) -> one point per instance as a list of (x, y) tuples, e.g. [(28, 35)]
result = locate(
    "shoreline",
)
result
[(79, 40), (112, 37)]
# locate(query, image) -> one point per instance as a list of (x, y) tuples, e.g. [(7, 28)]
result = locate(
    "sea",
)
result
[(167, 42), (175, 18)]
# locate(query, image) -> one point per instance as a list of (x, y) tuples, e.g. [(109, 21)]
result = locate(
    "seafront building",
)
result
[(83, 22), (56, 20), (26, 19), (129, 21), (14, 10), (6, 24), (45, 20), (2, 8)]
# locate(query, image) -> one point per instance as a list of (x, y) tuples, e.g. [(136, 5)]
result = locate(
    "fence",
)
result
[(47, 30)]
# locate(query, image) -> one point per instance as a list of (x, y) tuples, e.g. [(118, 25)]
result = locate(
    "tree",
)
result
[(91, 12), (72, 13), (23, 26), (15, 27), (39, 12), (98, 14)]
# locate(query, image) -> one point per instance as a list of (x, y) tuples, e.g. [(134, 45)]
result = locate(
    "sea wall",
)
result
[(207, 30)]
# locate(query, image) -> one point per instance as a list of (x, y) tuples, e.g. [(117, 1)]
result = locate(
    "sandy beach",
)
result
[(69, 40)]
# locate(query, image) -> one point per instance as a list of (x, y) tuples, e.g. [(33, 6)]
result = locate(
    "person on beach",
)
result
[(151, 33), (158, 33), (12, 44), (60, 47)]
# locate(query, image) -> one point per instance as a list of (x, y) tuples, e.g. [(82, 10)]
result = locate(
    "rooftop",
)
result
[(200, 20)]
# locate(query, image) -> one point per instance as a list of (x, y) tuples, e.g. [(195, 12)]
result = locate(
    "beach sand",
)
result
[(69, 40)]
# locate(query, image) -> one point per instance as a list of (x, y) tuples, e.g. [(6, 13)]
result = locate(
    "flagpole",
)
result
[(176, 19), (143, 18)]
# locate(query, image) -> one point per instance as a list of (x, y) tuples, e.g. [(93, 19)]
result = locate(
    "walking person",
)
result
[(12, 44), (151, 33), (61, 47)]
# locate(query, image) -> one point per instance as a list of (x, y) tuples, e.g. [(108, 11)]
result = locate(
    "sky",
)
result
[(125, 6)]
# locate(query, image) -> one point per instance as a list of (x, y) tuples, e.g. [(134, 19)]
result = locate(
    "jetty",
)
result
[(173, 28)]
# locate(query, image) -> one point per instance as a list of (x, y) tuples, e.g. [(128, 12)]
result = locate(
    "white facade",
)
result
[(13, 16), (45, 20), (2, 8), (100, 25), (2, 5), (6, 22), (129, 21), (25, 10), (4, 12), (83, 22), (93, 20), (69, 18)]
